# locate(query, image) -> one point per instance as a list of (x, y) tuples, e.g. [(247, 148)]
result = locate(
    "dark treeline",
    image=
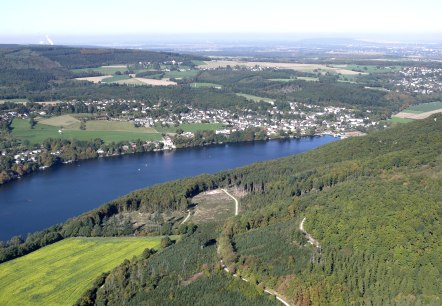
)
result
[(95, 57)]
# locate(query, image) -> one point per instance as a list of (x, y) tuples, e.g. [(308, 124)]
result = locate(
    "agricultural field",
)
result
[(293, 66), (103, 69), (65, 121), (400, 120), (95, 79), (60, 273), (425, 107), (420, 111), (205, 85), (212, 206), (181, 74), (255, 98), (109, 131), (369, 68), (22, 101), (308, 79), (121, 126), (155, 82), (190, 127), (115, 78)]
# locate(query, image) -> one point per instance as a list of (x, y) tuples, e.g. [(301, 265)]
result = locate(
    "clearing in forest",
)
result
[(212, 206)]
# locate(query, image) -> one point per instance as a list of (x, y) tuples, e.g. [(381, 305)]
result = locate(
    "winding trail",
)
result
[(311, 240), (187, 217), (266, 290), (236, 202)]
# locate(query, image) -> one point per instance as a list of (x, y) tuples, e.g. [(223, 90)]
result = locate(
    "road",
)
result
[(312, 240), (236, 202)]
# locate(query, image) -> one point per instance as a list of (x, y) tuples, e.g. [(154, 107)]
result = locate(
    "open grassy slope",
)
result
[(58, 274), (108, 131)]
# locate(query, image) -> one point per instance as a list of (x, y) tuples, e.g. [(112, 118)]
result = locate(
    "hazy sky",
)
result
[(91, 17)]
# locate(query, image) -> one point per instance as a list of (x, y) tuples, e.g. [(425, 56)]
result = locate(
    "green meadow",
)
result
[(424, 107), (191, 127), (255, 98), (109, 131)]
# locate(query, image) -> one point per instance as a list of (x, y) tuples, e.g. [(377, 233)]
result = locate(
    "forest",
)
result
[(372, 202)]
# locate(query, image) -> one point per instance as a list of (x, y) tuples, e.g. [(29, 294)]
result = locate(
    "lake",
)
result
[(48, 197)]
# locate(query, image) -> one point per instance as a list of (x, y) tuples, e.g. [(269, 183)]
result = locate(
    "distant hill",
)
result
[(29, 70)]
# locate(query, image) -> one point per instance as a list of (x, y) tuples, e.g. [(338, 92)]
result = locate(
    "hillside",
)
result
[(373, 203)]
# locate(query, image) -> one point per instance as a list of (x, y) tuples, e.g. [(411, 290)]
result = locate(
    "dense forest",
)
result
[(372, 202)]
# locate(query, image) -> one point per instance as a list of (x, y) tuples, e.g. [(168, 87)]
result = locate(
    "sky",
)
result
[(31, 18)]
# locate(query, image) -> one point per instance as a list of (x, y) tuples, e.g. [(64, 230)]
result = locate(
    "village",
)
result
[(298, 120), (420, 80)]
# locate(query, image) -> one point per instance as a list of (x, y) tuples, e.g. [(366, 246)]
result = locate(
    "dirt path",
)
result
[(236, 202), (267, 290), (312, 240), (188, 216)]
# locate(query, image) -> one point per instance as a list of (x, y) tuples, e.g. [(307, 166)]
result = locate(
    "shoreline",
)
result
[(44, 168)]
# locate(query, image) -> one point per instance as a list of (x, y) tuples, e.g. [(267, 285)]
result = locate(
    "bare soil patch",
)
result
[(95, 79), (212, 206), (417, 116), (154, 82)]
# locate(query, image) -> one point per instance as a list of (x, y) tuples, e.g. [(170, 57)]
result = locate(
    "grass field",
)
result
[(191, 127), (60, 273), (22, 101), (103, 69), (369, 68), (121, 126), (400, 120), (197, 62), (65, 121), (116, 78), (422, 108), (205, 85), (255, 98), (181, 74), (41, 132)]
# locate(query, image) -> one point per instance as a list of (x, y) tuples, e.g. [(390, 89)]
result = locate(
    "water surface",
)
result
[(54, 195)]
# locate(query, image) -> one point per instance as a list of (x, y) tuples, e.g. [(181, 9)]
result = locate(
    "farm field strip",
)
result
[(255, 98), (294, 66), (95, 79), (59, 273), (41, 132), (420, 111)]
